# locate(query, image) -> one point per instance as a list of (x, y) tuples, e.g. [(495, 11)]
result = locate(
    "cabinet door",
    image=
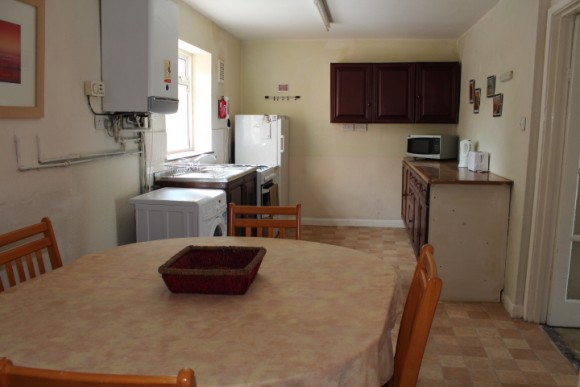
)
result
[(404, 196), (249, 191), (394, 92), (420, 229), (437, 86), (234, 194), (415, 210), (410, 215), (351, 92)]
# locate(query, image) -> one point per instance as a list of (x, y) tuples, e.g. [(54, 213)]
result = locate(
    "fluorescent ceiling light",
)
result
[(324, 14)]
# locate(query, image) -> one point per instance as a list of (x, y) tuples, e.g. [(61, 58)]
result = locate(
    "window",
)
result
[(179, 126), (189, 130)]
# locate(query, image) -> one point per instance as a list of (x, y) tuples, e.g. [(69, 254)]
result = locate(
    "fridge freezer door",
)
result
[(257, 140)]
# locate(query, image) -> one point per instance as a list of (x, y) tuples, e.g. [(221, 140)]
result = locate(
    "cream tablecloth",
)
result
[(316, 315)]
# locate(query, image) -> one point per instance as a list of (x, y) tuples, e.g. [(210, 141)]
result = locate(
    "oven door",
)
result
[(269, 193)]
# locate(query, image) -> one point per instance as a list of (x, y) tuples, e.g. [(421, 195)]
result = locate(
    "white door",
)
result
[(564, 305)]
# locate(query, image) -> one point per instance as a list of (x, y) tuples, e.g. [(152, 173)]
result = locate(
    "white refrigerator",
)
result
[(263, 140)]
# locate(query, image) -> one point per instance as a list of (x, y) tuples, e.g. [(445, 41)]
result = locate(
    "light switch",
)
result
[(347, 127), (506, 76), (523, 124)]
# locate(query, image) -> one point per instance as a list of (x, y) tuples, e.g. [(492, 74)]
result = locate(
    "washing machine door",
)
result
[(218, 227)]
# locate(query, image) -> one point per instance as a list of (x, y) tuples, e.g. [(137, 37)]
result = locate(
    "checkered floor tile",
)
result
[(471, 344)]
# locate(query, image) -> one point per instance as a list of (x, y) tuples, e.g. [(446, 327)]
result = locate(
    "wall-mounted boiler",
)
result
[(139, 55)]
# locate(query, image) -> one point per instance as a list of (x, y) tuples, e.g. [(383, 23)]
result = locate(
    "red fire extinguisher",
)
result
[(223, 108)]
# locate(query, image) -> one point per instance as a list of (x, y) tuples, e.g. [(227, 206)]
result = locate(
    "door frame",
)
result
[(550, 157)]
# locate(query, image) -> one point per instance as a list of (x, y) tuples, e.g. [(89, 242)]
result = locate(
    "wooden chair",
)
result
[(27, 245), (416, 321), (16, 376), (272, 221)]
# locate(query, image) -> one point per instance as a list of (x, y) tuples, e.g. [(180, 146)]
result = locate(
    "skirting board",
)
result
[(515, 311), (395, 223)]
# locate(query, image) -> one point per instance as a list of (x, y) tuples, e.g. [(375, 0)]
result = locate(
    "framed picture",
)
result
[(491, 86), (471, 90), (22, 58), (497, 105), (476, 100)]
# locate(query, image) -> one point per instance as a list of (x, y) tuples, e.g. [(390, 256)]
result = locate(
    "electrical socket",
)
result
[(102, 122), (360, 127), (95, 88)]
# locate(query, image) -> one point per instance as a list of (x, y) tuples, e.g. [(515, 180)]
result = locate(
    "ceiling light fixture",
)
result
[(324, 13)]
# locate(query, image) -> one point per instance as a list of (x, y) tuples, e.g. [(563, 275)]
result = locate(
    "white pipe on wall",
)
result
[(66, 161)]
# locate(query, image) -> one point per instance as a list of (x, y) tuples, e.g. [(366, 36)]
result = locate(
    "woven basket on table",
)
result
[(212, 269)]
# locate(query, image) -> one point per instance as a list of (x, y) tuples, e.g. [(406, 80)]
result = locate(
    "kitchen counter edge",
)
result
[(447, 172)]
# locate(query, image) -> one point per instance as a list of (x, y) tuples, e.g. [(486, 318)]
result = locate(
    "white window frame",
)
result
[(199, 101), (185, 80)]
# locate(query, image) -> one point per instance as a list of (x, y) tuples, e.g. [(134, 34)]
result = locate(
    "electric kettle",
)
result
[(465, 146)]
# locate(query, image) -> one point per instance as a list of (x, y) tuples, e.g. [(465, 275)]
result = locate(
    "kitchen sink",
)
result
[(205, 172)]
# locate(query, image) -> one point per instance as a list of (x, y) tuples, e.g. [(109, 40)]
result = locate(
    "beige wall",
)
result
[(507, 39), (88, 203), (339, 177), (354, 177)]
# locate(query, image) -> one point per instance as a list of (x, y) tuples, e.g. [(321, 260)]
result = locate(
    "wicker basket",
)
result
[(212, 269)]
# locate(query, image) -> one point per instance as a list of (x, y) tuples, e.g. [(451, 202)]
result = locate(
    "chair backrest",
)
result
[(416, 321), (16, 376), (270, 221), (27, 246)]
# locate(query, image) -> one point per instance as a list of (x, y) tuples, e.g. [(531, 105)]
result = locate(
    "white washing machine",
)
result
[(180, 212)]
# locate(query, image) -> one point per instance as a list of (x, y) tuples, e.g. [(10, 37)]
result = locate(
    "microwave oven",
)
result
[(438, 146)]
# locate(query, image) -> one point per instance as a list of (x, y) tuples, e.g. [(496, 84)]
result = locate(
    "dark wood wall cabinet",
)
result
[(394, 92), (465, 216)]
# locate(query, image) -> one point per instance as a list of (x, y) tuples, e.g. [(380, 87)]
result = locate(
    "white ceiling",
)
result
[(352, 19)]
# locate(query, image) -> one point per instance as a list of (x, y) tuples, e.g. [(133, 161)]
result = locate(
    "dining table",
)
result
[(315, 315)]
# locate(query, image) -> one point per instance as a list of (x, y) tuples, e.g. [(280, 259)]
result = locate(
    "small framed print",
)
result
[(491, 86), (471, 90), (476, 100), (497, 105), (22, 58)]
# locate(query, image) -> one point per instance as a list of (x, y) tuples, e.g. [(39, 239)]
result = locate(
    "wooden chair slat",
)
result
[(40, 262), (269, 221), (20, 249), (30, 266), (20, 268), (10, 274)]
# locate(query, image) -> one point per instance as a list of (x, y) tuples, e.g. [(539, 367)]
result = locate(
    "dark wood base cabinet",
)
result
[(241, 191), (414, 209), (465, 216)]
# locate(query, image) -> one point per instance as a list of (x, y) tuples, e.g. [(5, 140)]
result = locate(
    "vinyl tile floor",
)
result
[(470, 344)]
